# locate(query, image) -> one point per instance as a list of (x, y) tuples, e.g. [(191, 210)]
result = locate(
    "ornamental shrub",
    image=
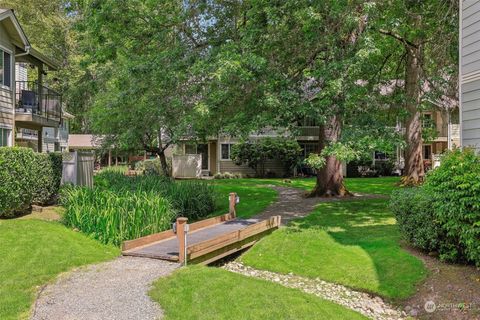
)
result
[(444, 214), (413, 209), (152, 166), (255, 153), (455, 189), (49, 166), (27, 177)]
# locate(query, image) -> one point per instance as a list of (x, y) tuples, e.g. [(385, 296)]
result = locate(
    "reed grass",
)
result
[(112, 217), (121, 208)]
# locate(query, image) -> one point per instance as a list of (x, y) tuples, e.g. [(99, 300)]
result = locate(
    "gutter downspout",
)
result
[(27, 52)]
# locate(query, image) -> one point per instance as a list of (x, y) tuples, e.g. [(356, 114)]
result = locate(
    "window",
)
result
[(427, 152), (427, 120), (308, 147), (5, 68), (226, 150), (5, 137)]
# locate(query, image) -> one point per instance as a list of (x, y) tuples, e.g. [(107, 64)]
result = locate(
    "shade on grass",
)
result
[(253, 198), (209, 293), (352, 242), (33, 252), (383, 185)]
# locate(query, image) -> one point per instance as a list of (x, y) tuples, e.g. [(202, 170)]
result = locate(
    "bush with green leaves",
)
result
[(27, 177), (455, 188), (255, 153), (49, 178), (413, 209), (150, 166), (443, 215), (112, 217)]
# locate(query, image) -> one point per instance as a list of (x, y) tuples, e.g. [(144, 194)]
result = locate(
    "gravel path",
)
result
[(370, 306), (292, 204), (113, 290)]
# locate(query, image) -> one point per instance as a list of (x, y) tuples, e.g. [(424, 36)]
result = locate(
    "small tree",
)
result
[(255, 153)]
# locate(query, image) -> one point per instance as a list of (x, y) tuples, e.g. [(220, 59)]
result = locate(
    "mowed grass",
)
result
[(199, 292), (382, 185), (254, 197), (352, 242), (33, 253)]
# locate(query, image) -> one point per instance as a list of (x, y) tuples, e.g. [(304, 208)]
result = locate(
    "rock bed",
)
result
[(368, 305)]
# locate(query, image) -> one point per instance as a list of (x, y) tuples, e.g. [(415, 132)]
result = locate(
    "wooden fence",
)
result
[(78, 168), (187, 166)]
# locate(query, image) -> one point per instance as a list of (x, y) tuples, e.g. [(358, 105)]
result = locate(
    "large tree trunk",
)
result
[(330, 177), (414, 170)]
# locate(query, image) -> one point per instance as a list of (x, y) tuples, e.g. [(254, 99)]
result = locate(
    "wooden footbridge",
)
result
[(204, 241)]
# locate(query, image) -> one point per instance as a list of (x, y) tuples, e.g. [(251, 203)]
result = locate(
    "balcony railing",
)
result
[(36, 99), (27, 134), (442, 131)]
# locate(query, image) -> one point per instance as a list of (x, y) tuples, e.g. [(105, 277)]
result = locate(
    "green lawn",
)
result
[(354, 243), (254, 197), (199, 292), (34, 252), (383, 185)]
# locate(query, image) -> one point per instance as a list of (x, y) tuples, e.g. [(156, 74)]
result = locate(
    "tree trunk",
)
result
[(161, 155), (163, 163), (414, 170), (330, 178)]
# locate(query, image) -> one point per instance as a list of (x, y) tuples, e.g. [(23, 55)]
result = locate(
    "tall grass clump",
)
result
[(112, 217), (191, 199)]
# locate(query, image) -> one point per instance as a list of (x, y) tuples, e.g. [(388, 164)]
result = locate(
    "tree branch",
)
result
[(398, 37)]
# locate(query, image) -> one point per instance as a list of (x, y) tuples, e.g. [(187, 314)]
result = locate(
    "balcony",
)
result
[(442, 132), (308, 132), (37, 106), (27, 134)]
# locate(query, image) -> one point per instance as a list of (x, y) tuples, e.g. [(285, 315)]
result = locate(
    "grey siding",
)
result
[(6, 94), (470, 73)]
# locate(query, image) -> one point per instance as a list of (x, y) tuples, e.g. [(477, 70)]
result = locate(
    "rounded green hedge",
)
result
[(443, 215), (455, 189), (26, 178)]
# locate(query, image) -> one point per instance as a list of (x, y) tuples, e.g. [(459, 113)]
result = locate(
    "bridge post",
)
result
[(182, 239), (233, 202)]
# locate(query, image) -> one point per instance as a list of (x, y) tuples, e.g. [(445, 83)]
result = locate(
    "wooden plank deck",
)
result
[(206, 241), (168, 249)]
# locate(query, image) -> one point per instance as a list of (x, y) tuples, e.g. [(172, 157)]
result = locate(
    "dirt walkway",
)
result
[(292, 204), (113, 290), (451, 291)]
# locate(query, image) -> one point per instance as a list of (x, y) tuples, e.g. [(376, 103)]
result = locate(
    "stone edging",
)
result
[(370, 306)]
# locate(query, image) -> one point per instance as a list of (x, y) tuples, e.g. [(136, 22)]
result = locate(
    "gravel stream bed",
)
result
[(368, 305)]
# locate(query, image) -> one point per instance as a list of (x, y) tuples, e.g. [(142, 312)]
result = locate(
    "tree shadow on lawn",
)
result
[(351, 242), (371, 226)]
